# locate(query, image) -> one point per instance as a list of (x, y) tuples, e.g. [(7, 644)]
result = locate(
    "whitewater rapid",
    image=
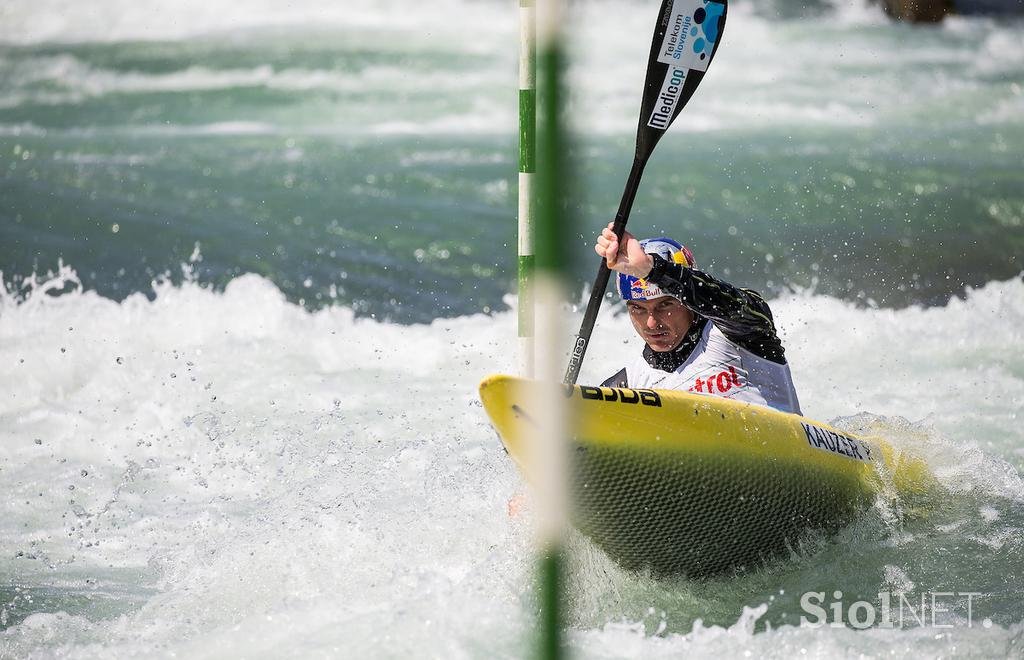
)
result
[(225, 473), (279, 451)]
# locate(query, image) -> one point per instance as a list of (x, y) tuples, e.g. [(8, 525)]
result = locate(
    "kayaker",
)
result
[(702, 335)]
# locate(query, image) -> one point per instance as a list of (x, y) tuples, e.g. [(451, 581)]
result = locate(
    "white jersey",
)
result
[(718, 367)]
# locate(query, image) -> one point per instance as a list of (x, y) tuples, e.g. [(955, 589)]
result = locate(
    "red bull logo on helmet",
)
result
[(641, 289)]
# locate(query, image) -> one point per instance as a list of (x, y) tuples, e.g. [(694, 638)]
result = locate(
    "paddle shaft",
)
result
[(579, 349), (673, 73)]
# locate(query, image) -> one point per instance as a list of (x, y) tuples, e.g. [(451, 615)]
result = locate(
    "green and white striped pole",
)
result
[(550, 448), (527, 167)]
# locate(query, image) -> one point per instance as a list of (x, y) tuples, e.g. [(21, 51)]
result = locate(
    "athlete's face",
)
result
[(661, 322)]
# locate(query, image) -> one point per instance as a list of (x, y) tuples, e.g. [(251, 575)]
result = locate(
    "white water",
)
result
[(264, 481), (224, 474), (848, 68)]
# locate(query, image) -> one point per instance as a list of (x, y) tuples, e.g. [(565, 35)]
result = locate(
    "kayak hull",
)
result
[(685, 484)]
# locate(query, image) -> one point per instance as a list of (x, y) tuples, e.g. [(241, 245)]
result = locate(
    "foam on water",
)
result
[(849, 73), (204, 473), (249, 459), (80, 81), (27, 22)]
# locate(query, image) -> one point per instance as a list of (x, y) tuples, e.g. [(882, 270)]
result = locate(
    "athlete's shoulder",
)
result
[(618, 379)]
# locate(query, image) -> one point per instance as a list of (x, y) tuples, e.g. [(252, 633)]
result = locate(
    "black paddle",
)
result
[(685, 41)]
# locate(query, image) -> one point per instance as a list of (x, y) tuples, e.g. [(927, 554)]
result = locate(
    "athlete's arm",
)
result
[(741, 314)]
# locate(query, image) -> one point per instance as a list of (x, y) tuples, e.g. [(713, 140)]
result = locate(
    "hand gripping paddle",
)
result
[(685, 41)]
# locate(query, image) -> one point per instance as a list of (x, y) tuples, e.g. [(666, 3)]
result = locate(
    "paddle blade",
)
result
[(685, 41)]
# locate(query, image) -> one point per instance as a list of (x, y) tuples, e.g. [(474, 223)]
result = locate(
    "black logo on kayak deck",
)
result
[(620, 394)]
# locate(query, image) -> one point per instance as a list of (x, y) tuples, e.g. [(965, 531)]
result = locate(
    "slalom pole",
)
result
[(527, 167), (550, 446)]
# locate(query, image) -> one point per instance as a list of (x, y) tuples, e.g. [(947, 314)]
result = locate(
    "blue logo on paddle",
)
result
[(691, 32), (705, 28)]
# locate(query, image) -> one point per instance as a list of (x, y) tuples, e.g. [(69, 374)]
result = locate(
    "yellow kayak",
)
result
[(695, 485)]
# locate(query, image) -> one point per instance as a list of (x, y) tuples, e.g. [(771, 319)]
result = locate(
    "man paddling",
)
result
[(702, 334)]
